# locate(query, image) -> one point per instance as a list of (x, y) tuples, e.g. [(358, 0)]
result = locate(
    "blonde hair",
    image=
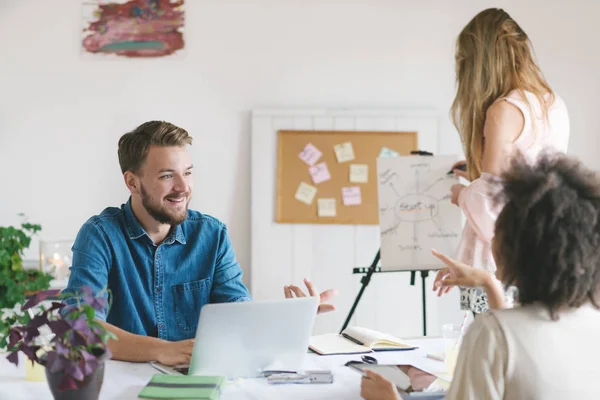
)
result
[(134, 145), (493, 57)]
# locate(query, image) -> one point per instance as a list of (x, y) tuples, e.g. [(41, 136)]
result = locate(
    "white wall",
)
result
[(61, 116), (284, 253)]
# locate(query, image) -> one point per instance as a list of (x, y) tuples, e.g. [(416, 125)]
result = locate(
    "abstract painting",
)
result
[(133, 28)]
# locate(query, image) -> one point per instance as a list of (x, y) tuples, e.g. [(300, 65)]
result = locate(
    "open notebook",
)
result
[(356, 340)]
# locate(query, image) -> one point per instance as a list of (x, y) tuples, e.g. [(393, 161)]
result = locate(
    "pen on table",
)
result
[(435, 356), (350, 338)]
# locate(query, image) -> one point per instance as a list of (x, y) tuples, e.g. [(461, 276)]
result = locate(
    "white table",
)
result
[(123, 380)]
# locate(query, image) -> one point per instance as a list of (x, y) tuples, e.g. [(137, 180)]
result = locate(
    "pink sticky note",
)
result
[(310, 154), (351, 196), (319, 173)]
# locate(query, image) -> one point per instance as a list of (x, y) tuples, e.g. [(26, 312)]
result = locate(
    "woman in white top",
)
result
[(547, 244), (503, 104)]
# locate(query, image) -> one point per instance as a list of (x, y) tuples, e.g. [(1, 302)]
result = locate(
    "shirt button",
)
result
[(161, 326)]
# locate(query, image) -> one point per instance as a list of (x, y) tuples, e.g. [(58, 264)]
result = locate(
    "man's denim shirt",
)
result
[(156, 290)]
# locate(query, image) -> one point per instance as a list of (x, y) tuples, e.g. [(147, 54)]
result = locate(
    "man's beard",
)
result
[(159, 213)]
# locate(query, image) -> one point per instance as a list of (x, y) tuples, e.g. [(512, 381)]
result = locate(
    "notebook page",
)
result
[(333, 343), (374, 339), (366, 336)]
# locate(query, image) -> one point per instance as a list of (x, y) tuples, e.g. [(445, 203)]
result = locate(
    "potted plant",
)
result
[(16, 282), (73, 347)]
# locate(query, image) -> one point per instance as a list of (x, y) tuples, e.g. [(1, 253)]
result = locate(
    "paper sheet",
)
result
[(344, 152), (359, 173), (310, 154), (326, 207), (415, 212), (306, 193), (387, 152), (351, 196), (319, 173)]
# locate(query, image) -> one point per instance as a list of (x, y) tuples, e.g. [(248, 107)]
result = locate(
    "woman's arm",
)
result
[(479, 373), (503, 124), (458, 274)]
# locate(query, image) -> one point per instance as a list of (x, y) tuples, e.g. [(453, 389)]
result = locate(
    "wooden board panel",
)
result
[(292, 170)]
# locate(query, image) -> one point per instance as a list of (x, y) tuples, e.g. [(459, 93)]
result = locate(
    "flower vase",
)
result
[(89, 389)]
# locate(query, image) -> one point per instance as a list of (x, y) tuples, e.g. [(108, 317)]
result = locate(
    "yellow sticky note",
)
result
[(306, 193), (344, 152), (359, 173), (326, 207)]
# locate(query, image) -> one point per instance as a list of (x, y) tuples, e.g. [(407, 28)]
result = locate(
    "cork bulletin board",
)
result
[(329, 177)]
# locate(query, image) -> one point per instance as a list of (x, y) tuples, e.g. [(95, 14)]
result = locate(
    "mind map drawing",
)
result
[(415, 212)]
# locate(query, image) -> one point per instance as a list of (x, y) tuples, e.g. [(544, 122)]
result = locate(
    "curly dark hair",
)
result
[(548, 233)]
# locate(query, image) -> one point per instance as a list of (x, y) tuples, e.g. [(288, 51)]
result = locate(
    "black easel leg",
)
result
[(365, 281), (424, 275)]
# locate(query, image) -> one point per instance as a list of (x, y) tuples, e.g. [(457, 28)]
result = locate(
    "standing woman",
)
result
[(503, 104)]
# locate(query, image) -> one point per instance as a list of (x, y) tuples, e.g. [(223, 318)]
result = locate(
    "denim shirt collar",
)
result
[(136, 230)]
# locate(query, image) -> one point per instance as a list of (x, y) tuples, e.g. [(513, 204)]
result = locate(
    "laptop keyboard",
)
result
[(182, 370)]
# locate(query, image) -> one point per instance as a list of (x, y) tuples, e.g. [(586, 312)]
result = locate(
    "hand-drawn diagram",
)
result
[(415, 212)]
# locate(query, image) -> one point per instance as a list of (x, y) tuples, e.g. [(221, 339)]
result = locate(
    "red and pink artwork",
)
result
[(133, 28)]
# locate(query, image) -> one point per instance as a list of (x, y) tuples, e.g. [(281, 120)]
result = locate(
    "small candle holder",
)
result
[(56, 257)]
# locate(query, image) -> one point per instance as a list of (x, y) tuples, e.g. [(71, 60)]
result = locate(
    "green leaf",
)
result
[(75, 314), (90, 313), (3, 341), (16, 261), (14, 281)]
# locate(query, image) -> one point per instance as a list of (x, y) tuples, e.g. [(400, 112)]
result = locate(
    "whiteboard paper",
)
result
[(415, 212)]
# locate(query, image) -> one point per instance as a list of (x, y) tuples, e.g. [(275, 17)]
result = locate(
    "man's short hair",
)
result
[(548, 236), (134, 145)]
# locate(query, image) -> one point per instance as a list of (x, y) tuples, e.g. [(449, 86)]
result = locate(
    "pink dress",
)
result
[(476, 201)]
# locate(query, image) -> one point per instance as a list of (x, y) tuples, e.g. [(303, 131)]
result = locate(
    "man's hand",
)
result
[(294, 291), (375, 387), (175, 353), (456, 189)]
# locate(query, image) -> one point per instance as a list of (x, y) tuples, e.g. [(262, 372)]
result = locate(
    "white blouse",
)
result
[(522, 354)]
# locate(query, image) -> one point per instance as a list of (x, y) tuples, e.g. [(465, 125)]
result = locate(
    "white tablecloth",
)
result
[(123, 380)]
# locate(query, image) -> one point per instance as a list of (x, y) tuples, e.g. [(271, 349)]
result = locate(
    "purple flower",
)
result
[(31, 332), (82, 334), (14, 337), (74, 370), (76, 339), (30, 352), (38, 321), (38, 298), (79, 324), (79, 348), (59, 327), (67, 383), (14, 357), (62, 350), (56, 306), (55, 362), (89, 363), (88, 297)]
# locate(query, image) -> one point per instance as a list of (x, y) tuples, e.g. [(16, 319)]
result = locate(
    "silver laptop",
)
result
[(241, 340)]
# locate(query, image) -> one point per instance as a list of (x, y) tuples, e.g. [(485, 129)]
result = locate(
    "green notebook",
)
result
[(183, 387)]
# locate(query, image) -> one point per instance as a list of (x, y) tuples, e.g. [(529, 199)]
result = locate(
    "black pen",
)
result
[(350, 338), (462, 167), (420, 153)]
